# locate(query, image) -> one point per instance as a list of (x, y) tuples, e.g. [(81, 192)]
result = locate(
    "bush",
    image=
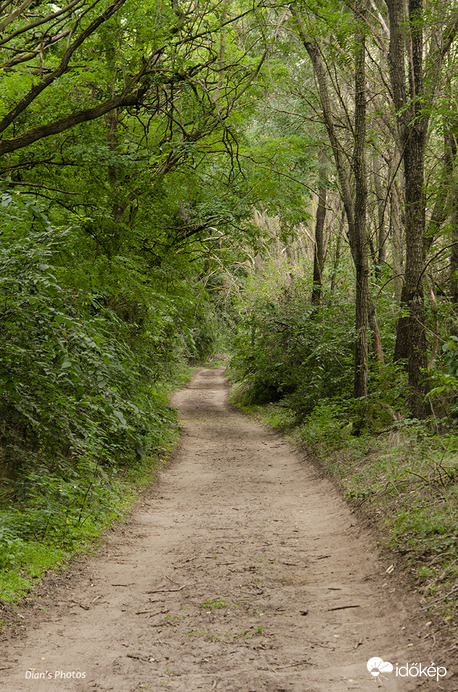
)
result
[(83, 346), (288, 350)]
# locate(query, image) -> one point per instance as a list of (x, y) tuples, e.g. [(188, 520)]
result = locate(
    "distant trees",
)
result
[(377, 81), (408, 65)]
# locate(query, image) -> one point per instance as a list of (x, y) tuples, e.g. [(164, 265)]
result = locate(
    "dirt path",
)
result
[(243, 571)]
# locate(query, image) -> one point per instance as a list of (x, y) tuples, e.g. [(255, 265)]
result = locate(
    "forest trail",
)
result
[(242, 571)]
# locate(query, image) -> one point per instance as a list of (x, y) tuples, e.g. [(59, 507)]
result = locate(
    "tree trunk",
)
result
[(412, 125), (397, 241), (411, 331), (452, 150), (318, 256), (361, 251), (353, 206), (337, 252), (381, 233)]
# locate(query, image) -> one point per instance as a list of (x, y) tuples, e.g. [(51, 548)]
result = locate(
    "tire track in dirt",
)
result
[(243, 571)]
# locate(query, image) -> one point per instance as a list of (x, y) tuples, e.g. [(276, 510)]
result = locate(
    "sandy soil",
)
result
[(243, 571)]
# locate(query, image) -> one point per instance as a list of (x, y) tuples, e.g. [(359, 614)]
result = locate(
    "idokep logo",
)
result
[(377, 667)]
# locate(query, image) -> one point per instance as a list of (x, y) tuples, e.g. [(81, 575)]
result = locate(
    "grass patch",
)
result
[(404, 478), (213, 603), (29, 565), (277, 416)]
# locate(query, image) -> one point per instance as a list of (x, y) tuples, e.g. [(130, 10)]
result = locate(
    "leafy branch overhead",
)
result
[(143, 69)]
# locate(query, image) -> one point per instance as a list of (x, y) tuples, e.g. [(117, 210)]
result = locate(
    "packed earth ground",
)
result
[(242, 570)]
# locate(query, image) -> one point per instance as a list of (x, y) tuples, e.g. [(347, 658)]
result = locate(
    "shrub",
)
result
[(288, 350)]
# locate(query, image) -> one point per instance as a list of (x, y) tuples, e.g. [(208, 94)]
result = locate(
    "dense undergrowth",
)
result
[(293, 365), (54, 516), (162, 179), (90, 346)]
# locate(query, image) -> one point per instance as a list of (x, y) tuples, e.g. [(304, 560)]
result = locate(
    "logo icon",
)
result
[(377, 666)]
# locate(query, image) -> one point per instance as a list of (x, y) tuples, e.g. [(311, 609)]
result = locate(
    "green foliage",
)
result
[(102, 298), (436, 532), (78, 392), (444, 392), (286, 349), (135, 252), (85, 349), (213, 603), (326, 427)]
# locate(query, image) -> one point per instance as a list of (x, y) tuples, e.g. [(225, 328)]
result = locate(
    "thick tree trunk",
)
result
[(452, 151), (412, 126), (361, 251), (397, 240), (454, 259), (411, 331)]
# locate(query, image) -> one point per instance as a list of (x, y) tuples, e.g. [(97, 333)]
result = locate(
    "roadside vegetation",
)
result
[(402, 481), (89, 352), (57, 516)]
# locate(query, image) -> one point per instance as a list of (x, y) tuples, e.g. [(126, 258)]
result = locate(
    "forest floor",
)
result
[(242, 570)]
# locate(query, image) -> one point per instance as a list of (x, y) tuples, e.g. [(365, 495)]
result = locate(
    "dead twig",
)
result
[(343, 607), (142, 657), (84, 607), (171, 580), (131, 584)]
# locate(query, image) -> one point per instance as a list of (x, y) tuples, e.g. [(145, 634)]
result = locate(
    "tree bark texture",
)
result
[(318, 256), (406, 45), (451, 147), (380, 254), (353, 205), (361, 240)]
